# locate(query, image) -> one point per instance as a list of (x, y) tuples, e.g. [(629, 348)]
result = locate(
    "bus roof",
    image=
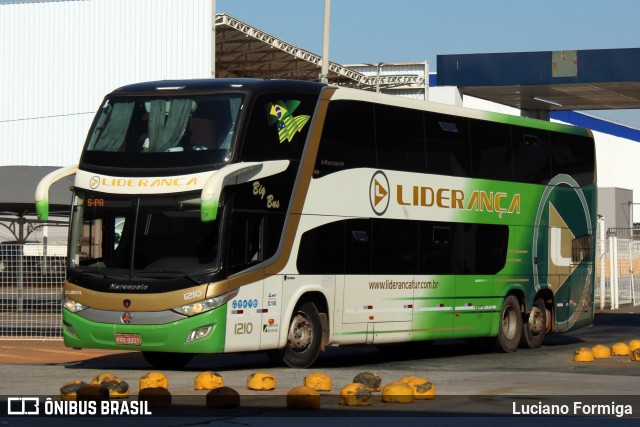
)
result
[(361, 95), (258, 85)]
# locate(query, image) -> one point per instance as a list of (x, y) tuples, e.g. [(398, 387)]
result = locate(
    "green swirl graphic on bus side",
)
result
[(562, 249)]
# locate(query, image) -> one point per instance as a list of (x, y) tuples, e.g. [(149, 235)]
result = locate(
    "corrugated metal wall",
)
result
[(59, 58)]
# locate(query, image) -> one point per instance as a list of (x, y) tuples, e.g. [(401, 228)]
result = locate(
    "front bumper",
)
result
[(169, 337)]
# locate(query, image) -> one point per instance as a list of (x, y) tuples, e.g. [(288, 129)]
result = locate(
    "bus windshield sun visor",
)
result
[(233, 174)]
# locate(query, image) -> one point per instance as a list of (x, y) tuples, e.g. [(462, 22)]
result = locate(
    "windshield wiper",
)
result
[(75, 275), (164, 273)]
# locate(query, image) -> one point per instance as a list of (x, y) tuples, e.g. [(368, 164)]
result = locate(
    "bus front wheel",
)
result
[(304, 337), (534, 326), (510, 328)]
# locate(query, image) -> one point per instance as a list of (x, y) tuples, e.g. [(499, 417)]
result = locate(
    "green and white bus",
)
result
[(234, 215)]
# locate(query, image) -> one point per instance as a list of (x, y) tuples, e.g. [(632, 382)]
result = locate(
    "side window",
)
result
[(358, 246), (395, 247), (278, 127), (400, 139), (245, 241), (406, 247), (531, 162), (253, 238), (440, 247), (485, 248), (582, 248), (491, 150), (348, 139), (448, 150), (573, 155), (322, 250)]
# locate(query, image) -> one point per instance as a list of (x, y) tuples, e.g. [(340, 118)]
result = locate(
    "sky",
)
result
[(373, 31)]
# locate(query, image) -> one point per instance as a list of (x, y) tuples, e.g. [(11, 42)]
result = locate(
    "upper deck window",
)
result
[(278, 126), (145, 132)]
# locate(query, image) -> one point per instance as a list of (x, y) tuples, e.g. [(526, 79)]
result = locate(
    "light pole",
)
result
[(324, 72), (379, 68), (213, 39)]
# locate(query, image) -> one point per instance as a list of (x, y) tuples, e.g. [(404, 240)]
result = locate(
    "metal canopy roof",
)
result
[(18, 186), (561, 80), (245, 51)]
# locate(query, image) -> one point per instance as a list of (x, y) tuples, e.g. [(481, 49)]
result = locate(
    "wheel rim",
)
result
[(300, 332), (509, 323), (536, 321)]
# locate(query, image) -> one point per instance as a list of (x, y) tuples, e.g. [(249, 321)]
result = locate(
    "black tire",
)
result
[(304, 337), (510, 327), (166, 360), (534, 325)]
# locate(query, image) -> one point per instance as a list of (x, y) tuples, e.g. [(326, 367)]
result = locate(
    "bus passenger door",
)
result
[(246, 248)]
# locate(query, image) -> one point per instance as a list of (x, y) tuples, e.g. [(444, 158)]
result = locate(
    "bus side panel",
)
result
[(433, 308), (378, 298), (244, 319), (474, 304), (564, 242), (272, 322), (343, 333)]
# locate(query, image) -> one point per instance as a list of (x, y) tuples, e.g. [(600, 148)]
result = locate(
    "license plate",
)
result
[(128, 339)]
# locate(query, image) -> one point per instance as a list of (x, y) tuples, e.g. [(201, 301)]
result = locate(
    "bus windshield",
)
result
[(155, 132), (136, 237)]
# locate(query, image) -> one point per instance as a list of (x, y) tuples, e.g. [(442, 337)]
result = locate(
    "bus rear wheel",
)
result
[(510, 328), (534, 326), (167, 360), (304, 337)]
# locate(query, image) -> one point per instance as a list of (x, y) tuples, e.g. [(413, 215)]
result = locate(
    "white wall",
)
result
[(617, 160), (59, 58)]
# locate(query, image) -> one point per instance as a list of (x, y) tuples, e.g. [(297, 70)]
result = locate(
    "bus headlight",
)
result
[(205, 305), (199, 333), (73, 306)]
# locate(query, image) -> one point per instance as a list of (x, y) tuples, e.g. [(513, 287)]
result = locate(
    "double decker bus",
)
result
[(233, 215)]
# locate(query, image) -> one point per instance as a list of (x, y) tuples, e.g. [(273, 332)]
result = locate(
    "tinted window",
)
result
[(322, 250), (400, 139), (485, 248), (491, 150), (531, 162), (395, 247), (254, 237), (383, 246), (348, 139), (573, 155), (440, 248), (448, 150), (254, 229), (151, 132), (358, 246), (278, 127)]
